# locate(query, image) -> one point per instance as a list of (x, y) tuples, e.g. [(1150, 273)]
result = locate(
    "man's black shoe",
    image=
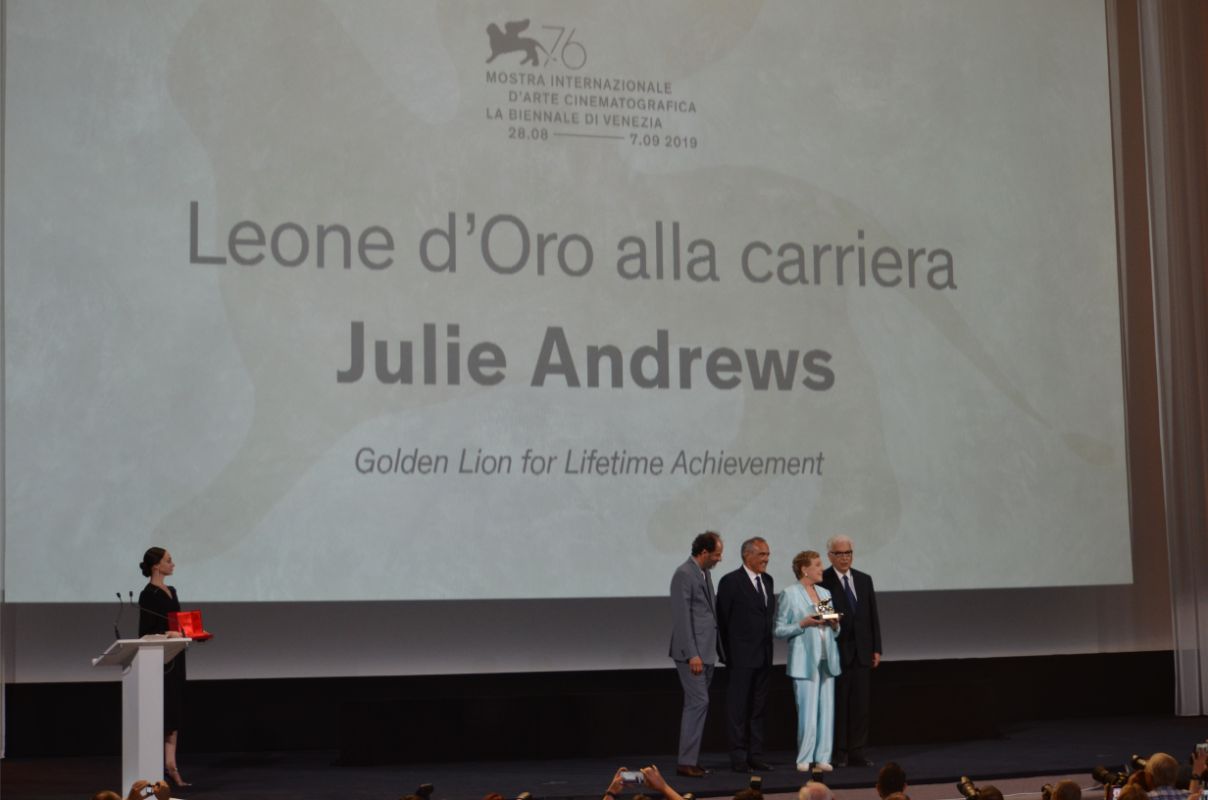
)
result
[(691, 771), (859, 761), (840, 762), (740, 768), (761, 766)]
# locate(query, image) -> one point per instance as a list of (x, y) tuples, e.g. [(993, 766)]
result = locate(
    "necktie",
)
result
[(709, 591), (763, 595), (851, 596)]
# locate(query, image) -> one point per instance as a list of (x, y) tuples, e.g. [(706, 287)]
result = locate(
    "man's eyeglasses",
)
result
[(841, 553)]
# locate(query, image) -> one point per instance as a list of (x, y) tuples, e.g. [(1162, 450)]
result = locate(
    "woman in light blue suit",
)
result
[(813, 660)]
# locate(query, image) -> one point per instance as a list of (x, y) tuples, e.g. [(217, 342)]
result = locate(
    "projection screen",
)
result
[(382, 301)]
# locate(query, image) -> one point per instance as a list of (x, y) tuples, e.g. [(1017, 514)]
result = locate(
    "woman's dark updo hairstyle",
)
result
[(153, 556)]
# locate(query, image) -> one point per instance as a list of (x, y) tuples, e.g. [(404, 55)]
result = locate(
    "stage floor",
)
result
[(1030, 750)]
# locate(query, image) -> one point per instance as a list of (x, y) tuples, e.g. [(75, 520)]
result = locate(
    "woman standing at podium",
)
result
[(154, 604)]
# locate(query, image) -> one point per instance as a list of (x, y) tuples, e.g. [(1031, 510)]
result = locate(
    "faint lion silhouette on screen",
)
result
[(509, 40)]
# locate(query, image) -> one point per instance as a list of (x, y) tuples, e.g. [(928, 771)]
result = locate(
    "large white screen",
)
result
[(959, 418)]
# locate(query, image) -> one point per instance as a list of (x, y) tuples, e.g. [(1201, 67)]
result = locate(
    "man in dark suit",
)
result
[(694, 644), (746, 607), (859, 651)]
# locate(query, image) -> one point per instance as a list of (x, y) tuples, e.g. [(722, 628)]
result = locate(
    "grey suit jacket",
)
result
[(693, 615)]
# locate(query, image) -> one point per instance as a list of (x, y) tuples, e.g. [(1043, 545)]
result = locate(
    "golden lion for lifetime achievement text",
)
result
[(591, 462)]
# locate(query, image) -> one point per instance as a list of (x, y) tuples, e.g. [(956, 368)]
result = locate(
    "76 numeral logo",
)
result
[(570, 53)]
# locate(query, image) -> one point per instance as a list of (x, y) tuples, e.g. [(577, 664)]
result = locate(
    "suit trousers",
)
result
[(696, 708), (746, 705), (815, 718), (852, 692)]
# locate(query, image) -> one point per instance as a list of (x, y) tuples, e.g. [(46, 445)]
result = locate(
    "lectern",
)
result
[(142, 662)]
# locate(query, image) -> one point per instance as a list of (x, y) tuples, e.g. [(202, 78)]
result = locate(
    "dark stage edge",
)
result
[(1038, 748)]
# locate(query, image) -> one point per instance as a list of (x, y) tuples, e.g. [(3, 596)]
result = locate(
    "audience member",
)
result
[(891, 780), (1199, 773), (1156, 782), (142, 790), (1066, 790), (1162, 771), (1140, 778), (815, 790), (614, 788), (654, 782)]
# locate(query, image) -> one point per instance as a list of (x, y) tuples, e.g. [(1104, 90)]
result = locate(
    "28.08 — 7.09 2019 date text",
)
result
[(666, 140)]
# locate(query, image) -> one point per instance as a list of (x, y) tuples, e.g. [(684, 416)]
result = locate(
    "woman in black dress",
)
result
[(156, 600)]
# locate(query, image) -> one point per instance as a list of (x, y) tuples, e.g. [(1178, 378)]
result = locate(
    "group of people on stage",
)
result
[(829, 656), (829, 619)]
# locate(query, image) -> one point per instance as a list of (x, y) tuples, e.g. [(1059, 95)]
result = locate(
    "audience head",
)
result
[(1067, 790), (989, 792), (898, 796), (493, 796), (749, 794), (1133, 791), (815, 790), (105, 794), (1140, 778), (1162, 770), (891, 780)]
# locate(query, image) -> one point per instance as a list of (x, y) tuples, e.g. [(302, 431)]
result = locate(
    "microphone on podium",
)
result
[(121, 610), (117, 633)]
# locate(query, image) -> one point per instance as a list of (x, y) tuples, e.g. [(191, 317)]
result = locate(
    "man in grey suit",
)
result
[(694, 644)]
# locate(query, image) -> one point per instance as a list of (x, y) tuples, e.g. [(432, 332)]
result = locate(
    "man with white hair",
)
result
[(853, 596), (1163, 772), (815, 790)]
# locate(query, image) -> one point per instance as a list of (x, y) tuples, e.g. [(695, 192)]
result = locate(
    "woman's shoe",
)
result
[(174, 777), (823, 766), (803, 767)]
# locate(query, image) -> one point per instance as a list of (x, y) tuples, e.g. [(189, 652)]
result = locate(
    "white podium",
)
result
[(142, 662)]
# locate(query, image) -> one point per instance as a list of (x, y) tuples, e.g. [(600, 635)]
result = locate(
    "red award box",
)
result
[(188, 623)]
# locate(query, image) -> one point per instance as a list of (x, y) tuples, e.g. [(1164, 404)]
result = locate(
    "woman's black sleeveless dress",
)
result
[(154, 605)]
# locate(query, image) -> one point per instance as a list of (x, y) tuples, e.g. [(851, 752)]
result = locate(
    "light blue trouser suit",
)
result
[(813, 655), (815, 717)]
